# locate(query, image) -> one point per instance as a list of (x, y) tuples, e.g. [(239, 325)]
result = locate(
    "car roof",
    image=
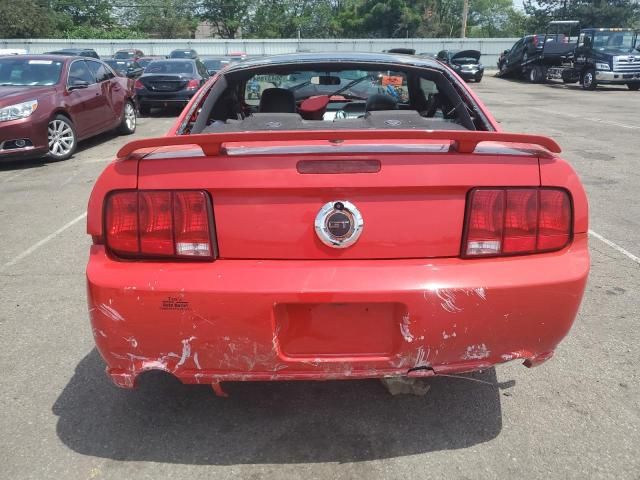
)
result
[(47, 56), (175, 60), (74, 50), (337, 57)]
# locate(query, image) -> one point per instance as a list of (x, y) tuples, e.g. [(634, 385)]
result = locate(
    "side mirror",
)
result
[(505, 52), (78, 84)]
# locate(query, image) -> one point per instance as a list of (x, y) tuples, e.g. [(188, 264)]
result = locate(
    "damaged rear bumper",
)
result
[(306, 320)]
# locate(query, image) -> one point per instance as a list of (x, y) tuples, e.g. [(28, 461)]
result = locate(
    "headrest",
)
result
[(277, 100), (381, 102)]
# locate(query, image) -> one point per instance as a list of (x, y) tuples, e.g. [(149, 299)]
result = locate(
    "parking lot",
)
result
[(577, 416)]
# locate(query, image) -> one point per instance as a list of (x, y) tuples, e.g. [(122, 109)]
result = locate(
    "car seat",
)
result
[(380, 102), (277, 100)]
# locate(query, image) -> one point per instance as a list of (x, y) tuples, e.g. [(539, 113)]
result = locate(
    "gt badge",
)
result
[(339, 224)]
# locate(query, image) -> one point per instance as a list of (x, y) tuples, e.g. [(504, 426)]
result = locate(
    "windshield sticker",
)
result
[(391, 80), (40, 62)]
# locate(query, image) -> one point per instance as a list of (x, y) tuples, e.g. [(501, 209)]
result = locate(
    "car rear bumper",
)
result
[(287, 320), (164, 98)]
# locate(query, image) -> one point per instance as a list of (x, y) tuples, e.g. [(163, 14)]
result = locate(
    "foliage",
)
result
[(383, 19), (164, 18), (94, 13), (590, 13), (29, 21), (230, 17), (305, 18), (280, 19), (114, 33)]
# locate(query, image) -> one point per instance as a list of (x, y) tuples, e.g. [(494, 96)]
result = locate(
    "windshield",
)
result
[(123, 55), (354, 84), (29, 72), (181, 54), (170, 67), (118, 64), (623, 42), (212, 64)]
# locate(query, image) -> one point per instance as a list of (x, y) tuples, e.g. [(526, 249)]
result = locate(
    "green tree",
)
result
[(290, 18), (164, 18), (382, 19), (590, 13), (229, 17), (95, 13), (495, 18), (88, 32), (27, 20)]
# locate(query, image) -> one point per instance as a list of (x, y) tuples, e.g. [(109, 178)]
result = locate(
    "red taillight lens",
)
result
[(520, 221), (148, 224), (138, 85), (554, 224), (156, 231), (193, 85), (122, 222), (512, 221)]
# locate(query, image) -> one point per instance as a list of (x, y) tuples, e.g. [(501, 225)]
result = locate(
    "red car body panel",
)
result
[(277, 304), (93, 110)]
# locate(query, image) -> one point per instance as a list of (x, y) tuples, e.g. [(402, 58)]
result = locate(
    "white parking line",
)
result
[(45, 240), (615, 246)]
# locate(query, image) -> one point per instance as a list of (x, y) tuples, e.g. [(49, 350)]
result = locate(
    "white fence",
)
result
[(490, 47)]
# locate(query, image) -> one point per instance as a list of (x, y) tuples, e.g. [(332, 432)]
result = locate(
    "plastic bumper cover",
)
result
[(285, 320)]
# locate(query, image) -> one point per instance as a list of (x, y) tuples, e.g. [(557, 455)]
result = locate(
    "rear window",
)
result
[(170, 67), (29, 72), (212, 64), (351, 84), (143, 62)]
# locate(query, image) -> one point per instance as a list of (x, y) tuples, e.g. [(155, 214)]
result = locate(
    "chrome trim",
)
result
[(16, 150), (609, 77), (355, 219)]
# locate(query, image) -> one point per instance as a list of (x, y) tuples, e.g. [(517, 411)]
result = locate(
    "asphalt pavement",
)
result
[(577, 416)]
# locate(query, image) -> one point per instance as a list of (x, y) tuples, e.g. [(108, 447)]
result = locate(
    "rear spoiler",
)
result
[(463, 141)]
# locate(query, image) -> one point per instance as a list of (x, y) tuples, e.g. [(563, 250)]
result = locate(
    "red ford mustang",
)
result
[(330, 217)]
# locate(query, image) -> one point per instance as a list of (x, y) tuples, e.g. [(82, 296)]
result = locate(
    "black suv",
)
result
[(524, 48)]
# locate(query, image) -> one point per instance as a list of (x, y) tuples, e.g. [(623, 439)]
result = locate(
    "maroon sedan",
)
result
[(48, 103)]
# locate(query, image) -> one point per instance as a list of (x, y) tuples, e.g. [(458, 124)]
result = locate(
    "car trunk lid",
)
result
[(267, 196)]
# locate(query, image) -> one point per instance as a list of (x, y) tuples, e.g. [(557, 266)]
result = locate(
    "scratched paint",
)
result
[(405, 329), (110, 312), (476, 352)]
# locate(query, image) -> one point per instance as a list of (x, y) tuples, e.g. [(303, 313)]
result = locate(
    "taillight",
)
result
[(193, 85), (138, 85), (514, 221), (160, 224)]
